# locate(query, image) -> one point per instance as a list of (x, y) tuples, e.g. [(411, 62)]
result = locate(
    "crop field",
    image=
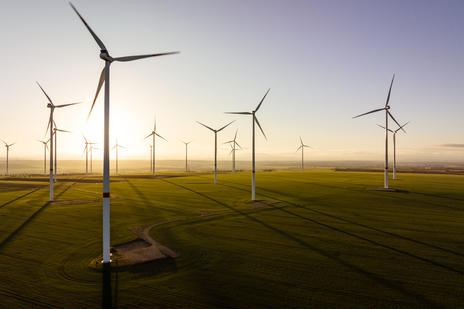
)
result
[(315, 239)]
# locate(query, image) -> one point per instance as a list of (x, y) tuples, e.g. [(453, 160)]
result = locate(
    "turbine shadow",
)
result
[(28, 220), (361, 237), (372, 276), (20, 197)]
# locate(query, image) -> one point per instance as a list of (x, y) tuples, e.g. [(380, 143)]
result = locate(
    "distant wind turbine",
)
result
[(186, 150), (45, 143), (87, 150), (92, 148), (394, 146), (154, 134), (386, 108), (52, 107), (117, 146), (233, 143), (254, 120), (302, 147), (105, 78), (7, 154), (215, 145), (55, 130)]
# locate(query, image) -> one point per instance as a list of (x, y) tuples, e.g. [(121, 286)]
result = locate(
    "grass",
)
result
[(327, 242)]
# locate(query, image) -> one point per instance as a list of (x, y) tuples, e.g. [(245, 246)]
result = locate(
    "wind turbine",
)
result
[(117, 146), (394, 146), (302, 147), (233, 143), (105, 78), (55, 130), (215, 146), (45, 154), (186, 149), (154, 134), (52, 107), (386, 108), (87, 149), (254, 120), (7, 154)]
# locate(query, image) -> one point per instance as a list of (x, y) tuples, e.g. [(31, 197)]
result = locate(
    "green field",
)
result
[(326, 242)]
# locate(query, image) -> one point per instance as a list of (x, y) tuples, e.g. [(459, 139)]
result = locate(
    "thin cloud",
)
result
[(453, 145)]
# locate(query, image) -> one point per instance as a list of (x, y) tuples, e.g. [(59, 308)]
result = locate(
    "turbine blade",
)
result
[(389, 91), (301, 141), (235, 137), (257, 122), (49, 122), (161, 136), (238, 145), (395, 121), (131, 58), (238, 113), (307, 146), (86, 142), (206, 126), (65, 132), (228, 142), (64, 105), (99, 42), (259, 105), (385, 128), (149, 135), (100, 84), (401, 128), (298, 148), (50, 100), (225, 126), (374, 111)]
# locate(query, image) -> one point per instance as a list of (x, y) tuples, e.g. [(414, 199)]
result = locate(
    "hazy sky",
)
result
[(325, 61)]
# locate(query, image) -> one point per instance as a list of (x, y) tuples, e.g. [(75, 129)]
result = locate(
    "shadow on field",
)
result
[(28, 220), (345, 220), (20, 197), (372, 276), (360, 225)]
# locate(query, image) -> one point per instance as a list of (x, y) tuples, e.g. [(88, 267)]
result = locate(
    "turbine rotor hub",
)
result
[(387, 107)]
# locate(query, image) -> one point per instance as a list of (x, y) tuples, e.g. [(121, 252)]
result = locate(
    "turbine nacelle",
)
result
[(104, 55)]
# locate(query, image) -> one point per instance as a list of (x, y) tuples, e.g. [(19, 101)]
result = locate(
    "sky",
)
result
[(324, 61)]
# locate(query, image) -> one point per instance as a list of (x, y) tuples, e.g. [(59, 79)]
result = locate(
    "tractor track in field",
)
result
[(27, 300)]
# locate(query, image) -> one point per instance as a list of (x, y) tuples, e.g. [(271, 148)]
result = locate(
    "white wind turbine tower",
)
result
[(153, 134), (233, 143), (302, 147), (117, 146), (55, 129), (394, 145), (52, 107), (86, 150), (386, 108), (215, 146), (186, 153), (254, 120), (7, 154), (45, 143)]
